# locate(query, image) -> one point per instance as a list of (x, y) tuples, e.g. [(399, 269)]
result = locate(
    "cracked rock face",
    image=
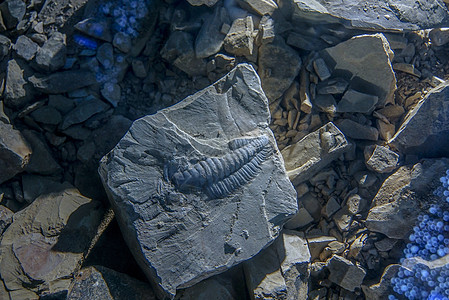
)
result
[(200, 186)]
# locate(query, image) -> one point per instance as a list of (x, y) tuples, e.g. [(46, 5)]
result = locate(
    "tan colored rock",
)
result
[(240, 38), (261, 7)]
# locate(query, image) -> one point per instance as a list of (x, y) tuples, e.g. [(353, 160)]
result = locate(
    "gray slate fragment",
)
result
[(356, 130), (384, 288), (12, 12), (183, 237), (425, 129), (332, 86), (240, 38), (61, 103), (210, 39), (18, 91), (321, 69), (47, 115), (344, 273), (326, 103), (202, 2), (25, 47), (36, 185), (51, 56), (61, 82), (314, 152), (368, 69), (111, 92), (398, 202), (439, 36), (374, 14), (261, 7), (83, 111), (98, 282), (14, 152), (41, 161), (380, 159), (354, 101), (278, 65), (5, 46)]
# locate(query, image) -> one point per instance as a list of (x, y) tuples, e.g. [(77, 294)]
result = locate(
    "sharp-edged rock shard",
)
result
[(200, 186)]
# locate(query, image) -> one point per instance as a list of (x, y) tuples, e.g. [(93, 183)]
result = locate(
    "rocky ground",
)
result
[(359, 110)]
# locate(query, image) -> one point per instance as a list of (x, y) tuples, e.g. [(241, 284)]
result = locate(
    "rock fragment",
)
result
[(61, 82), (210, 39), (261, 7), (83, 111), (356, 130), (384, 288), (344, 273), (25, 48), (47, 115), (314, 152), (5, 45), (41, 248), (109, 285), (380, 159), (203, 2), (51, 56), (95, 28), (12, 12), (5, 219), (354, 101), (18, 91), (278, 65), (202, 213), (14, 152), (240, 38), (41, 160)]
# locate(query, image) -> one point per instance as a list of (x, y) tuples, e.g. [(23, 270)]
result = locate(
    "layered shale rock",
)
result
[(200, 186)]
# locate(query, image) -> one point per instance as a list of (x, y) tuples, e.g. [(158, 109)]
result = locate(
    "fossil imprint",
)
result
[(220, 176)]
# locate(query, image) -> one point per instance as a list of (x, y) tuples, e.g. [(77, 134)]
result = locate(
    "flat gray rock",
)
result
[(210, 39), (18, 91), (200, 186), (374, 14), (425, 130), (61, 82), (51, 56), (25, 47)]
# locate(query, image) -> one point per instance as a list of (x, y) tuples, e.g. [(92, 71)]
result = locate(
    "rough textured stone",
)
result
[(314, 152), (317, 244), (83, 111), (344, 273), (18, 91), (384, 288), (356, 130), (374, 14), (173, 227), (51, 56), (41, 160), (261, 7), (425, 129), (25, 48), (301, 219), (46, 242), (368, 69), (326, 103), (12, 12), (354, 102), (439, 36), (5, 219), (278, 65), (35, 185), (14, 152), (5, 45), (396, 205), (61, 82), (332, 86), (202, 2), (99, 282), (210, 39), (380, 159), (240, 38)]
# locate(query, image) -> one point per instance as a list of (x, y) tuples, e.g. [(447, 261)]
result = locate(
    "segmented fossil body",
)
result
[(220, 176)]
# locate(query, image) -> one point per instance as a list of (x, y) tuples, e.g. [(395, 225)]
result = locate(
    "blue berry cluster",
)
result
[(429, 241)]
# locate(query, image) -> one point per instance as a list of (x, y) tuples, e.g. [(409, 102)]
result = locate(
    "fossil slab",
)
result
[(200, 186)]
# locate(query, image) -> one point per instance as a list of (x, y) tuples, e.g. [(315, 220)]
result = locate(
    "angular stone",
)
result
[(384, 288), (12, 12), (304, 91), (266, 30), (62, 82), (278, 65), (344, 273), (425, 130), (377, 15), (356, 130), (407, 68), (326, 103), (47, 115), (305, 42), (41, 160), (396, 206), (18, 91), (186, 221), (83, 111), (25, 47), (317, 245), (210, 39), (14, 152), (314, 152), (392, 112), (240, 38), (368, 69), (332, 86), (5, 45), (439, 36), (109, 285), (380, 159), (354, 101), (202, 2), (5, 220), (386, 130), (261, 7), (301, 219), (321, 69), (331, 207), (47, 241), (35, 185), (61, 103), (51, 56)]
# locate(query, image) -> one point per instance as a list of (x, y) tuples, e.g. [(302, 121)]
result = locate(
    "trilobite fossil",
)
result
[(220, 176)]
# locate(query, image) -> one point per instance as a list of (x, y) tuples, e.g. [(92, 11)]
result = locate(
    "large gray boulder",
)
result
[(425, 129), (373, 14), (200, 186)]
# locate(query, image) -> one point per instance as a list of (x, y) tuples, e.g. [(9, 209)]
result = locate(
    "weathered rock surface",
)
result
[(368, 69), (13, 12), (374, 14), (5, 219), (344, 273), (261, 7), (425, 129), (18, 91), (41, 160), (314, 152), (357, 131), (240, 38), (61, 82), (25, 48), (15, 152), (99, 282), (46, 242), (51, 56), (83, 111), (396, 205), (278, 65), (380, 159), (210, 38), (384, 288), (183, 230)]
